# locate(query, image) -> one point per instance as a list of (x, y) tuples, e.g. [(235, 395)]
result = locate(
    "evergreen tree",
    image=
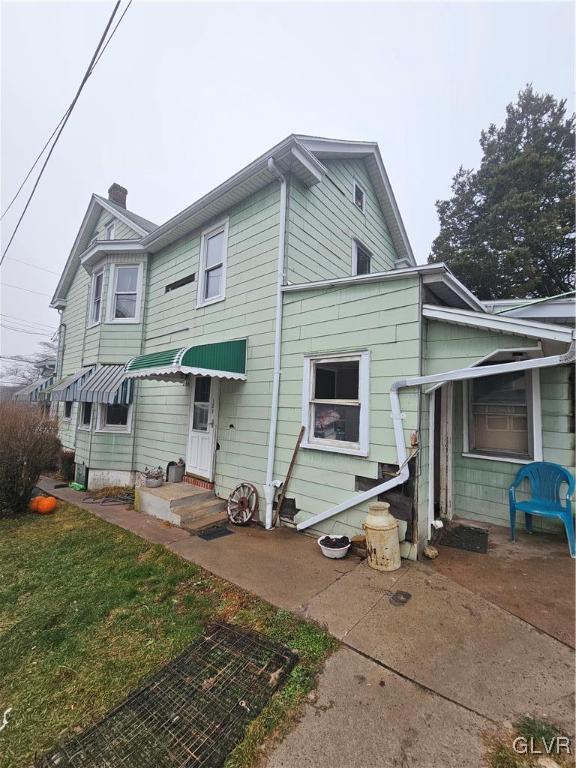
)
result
[(508, 230)]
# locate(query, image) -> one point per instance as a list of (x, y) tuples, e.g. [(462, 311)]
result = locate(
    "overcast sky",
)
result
[(188, 93)]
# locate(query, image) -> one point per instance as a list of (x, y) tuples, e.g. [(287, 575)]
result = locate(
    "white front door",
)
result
[(202, 430)]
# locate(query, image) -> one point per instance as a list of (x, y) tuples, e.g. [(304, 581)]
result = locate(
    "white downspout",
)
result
[(270, 486), (457, 375)]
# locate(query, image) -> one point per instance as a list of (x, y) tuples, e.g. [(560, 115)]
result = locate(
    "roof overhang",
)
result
[(545, 310), (101, 248), (221, 360), (527, 328), (107, 384), (289, 157), (435, 276)]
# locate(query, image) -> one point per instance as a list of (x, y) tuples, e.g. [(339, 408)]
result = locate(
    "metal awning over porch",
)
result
[(67, 390), (222, 360), (109, 385), (33, 392)]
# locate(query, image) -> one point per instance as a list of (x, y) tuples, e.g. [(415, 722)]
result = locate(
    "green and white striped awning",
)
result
[(68, 388), (222, 360)]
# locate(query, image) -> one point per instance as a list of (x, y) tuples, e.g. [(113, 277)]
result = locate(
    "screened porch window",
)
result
[(337, 403), (499, 415)]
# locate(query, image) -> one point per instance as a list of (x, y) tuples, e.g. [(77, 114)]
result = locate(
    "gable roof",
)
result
[(339, 149), (97, 204)]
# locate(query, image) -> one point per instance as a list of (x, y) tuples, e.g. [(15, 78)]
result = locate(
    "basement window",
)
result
[(335, 408)]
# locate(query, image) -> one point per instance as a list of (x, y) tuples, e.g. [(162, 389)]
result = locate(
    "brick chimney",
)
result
[(118, 194)]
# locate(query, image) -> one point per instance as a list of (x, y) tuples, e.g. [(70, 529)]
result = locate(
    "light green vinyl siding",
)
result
[(323, 220), (172, 320), (380, 317), (480, 485), (121, 230)]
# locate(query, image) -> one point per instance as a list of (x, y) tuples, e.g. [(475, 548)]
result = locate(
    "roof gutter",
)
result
[(456, 375)]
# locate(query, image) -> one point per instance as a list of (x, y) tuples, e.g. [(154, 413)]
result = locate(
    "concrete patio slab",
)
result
[(367, 716), (280, 566), (534, 577), (467, 649)]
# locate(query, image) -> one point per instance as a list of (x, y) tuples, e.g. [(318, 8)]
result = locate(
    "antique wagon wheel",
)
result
[(242, 504)]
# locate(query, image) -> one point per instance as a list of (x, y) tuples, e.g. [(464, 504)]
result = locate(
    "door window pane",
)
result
[(201, 406)]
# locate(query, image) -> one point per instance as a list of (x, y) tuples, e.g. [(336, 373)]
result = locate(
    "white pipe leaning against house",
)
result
[(270, 486), (457, 375)]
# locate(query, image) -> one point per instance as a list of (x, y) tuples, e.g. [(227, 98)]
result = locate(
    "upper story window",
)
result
[(359, 197), (212, 273), (125, 293), (109, 231), (96, 300), (336, 401), (361, 259)]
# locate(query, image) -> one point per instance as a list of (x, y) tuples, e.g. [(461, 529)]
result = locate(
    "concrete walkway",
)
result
[(423, 682)]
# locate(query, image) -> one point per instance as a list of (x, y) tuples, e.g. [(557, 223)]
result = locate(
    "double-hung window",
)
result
[(335, 408), (500, 419), (213, 248), (68, 409), (359, 197), (114, 418), (361, 259), (86, 419), (96, 303), (125, 293)]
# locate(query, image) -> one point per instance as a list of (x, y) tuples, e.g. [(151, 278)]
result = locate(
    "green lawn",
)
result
[(87, 610)]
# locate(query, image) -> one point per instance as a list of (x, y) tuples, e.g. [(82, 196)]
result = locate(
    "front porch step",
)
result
[(177, 502), (208, 521)]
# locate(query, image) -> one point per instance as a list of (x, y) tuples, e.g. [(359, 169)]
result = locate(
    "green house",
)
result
[(289, 296)]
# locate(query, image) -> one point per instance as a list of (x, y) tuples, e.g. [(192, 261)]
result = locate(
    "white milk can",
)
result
[(382, 542)]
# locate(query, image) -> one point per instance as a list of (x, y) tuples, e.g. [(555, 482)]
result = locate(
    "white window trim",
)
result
[(112, 291), (200, 301), (357, 184), (111, 226), (68, 418), (355, 244), (81, 425), (101, 425), (535, 423), (363, 356), (92, 323)]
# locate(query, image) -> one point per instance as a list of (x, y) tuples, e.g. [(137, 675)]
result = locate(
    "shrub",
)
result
[(28, 444), (67, 466)]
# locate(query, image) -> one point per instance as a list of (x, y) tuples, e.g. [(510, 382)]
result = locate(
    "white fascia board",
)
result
[(373, 277), (192, 217), (498, 323)]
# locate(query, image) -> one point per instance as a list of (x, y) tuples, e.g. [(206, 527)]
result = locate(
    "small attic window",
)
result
[(109, 231), (359, 196)]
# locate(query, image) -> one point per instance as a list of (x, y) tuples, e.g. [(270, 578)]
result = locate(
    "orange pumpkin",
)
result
[(46, 505), (33, 503)]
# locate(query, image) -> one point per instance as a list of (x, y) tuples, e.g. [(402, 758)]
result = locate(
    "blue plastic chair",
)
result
[(545, 480)]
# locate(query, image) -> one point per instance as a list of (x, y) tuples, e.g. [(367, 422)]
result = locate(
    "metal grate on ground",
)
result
[(192, 712)]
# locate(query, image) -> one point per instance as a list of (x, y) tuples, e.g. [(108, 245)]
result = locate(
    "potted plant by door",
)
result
[(153, 478)]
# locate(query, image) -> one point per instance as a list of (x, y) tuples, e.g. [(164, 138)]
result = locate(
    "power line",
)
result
[(28, 290), (31, 325), (35, 266), (24, 320), (64, 116), (22, 330), (62, 126)]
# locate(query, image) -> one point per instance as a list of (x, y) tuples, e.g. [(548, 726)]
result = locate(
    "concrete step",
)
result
[(197, 511), (174, 501), (208, 521)]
